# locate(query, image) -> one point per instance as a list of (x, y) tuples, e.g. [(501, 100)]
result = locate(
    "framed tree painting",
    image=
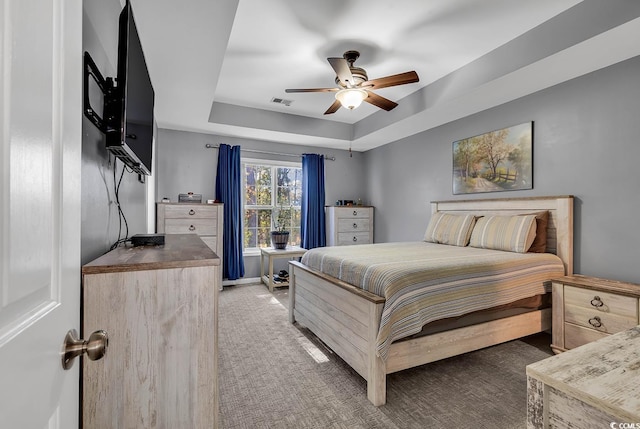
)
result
[(500, 160)]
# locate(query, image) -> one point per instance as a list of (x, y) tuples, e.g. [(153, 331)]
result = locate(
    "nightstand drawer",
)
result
[(575, 336), (601, 321), (602, 302), (602, 311)]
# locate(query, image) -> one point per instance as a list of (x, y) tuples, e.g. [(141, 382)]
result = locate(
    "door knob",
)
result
[(95, 347)]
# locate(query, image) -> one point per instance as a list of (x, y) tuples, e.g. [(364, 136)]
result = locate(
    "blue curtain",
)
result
[(312, 228), (229, 192)]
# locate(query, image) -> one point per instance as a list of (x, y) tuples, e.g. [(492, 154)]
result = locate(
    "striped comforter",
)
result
[(424, 282)]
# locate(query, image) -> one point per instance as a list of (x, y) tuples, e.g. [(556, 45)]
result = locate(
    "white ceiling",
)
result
[(216, 65)]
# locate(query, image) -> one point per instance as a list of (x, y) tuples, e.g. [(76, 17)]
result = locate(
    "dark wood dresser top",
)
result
[(179, 251)]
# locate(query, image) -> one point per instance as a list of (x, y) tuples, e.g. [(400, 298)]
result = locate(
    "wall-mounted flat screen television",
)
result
[(129, 110)]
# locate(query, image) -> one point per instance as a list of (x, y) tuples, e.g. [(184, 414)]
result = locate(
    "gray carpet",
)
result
[(276, 375)]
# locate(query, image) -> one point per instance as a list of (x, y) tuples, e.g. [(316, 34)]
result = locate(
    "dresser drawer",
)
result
[(600, 310), (211, 241), (353, 225), (346, 238), (352, 212), (202, 226), (188, 211)]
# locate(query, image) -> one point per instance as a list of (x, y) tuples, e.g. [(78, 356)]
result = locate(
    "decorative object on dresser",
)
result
[(593, 386), (190, 197), (349, 225), (587, 308), (155, 303)]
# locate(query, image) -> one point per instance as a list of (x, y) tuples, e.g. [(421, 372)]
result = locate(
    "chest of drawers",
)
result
[(349, 225), (205, 220), (586, 309), (155, 303)]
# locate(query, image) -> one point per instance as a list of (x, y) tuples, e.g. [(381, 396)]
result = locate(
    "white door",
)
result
[(40, 160)]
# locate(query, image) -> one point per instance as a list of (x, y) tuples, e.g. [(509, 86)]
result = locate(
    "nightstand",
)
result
[(270, 253), (586, 309)]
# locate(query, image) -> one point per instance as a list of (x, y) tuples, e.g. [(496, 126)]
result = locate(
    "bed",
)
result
[(356, 319)]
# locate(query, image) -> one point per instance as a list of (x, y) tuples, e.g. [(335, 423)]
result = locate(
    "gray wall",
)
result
[(100, 221), (185, 165), (585, 144)]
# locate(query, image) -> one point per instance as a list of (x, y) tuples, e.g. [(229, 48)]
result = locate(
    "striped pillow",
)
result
[(510, 233), (450, 229)]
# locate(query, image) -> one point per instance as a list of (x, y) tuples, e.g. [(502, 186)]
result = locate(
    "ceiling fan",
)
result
[(354, 85)]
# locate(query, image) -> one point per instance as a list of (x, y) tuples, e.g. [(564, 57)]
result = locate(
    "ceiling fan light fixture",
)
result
[(351, 98)]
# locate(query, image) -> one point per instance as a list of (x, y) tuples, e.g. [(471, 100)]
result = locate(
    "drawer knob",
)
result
[(355, 212), (597, 302), (192, 212), (595, 322), (355, 226), (355, 238), (192, 228)]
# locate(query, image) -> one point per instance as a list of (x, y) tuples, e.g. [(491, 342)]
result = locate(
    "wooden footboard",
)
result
[(347, 319)]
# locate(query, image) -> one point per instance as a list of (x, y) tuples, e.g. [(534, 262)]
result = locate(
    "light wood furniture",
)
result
[(589, 387), (586, 309), (159, 308), (271, 254), (347, 318), (187, 218), (349, 225)]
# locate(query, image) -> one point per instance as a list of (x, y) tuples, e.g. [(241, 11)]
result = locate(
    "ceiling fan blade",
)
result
[(396, 79), (312, 90), (341, 67), (381, 102), (333, 108)]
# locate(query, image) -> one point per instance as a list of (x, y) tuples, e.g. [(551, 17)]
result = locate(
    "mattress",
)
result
[(424, 282)]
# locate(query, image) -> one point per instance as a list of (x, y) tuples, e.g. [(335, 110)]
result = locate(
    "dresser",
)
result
[(204, 220), (593, 386), (349, 225), (158, 305), (586, 309)]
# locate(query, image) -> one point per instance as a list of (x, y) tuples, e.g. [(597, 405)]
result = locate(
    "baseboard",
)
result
[(243, 281)]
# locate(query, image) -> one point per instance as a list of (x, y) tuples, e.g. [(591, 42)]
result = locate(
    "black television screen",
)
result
[(130, 111)]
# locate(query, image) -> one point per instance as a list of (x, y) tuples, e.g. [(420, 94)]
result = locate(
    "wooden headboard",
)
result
[(559, 229)]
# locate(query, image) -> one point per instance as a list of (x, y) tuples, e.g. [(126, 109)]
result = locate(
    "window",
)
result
[(271, 188)]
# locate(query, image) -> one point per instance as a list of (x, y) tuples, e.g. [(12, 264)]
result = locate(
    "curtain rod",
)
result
[(212, 146)]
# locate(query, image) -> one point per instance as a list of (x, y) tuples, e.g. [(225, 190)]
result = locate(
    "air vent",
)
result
[(281, 101)]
